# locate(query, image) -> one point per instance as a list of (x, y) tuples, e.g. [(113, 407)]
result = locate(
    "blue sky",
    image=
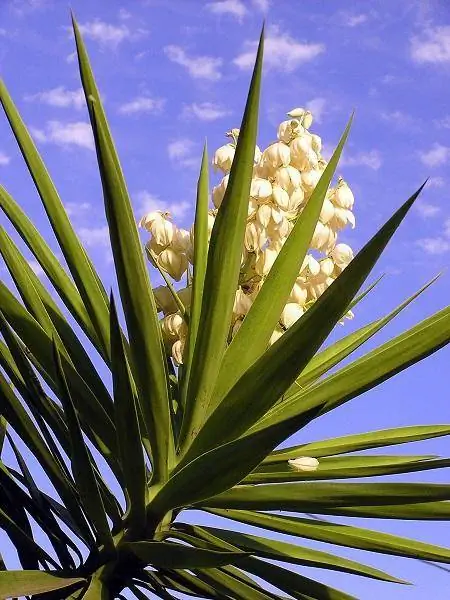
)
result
[(174, 73)]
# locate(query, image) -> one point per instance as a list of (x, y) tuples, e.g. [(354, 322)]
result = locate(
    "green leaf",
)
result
[(77, 260), (347, 467), (200, 261), (3, 426), (27, 583), (293, 583), (231, 586), (129, 435), (360, 441), (364, 373), (51, 265), (331, 356), (253, 336), (223, 267), (171, 555), (283, 551), (272, 374), (148, 360), (312, 497), (341, 535), (82, 468)]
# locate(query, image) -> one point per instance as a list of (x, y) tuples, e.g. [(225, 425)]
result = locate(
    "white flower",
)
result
[(296, 113), (342, 255), (162, 230), (275, 336), (307, 119), (278, 231), (252, 207), (310, 263), (288, 178), (276, 155), (242, 303), (287, 130), (255, 236), (304, 463), (310, 179), (258, 155), (173, 326), (164, 299), (174, 263), (326, 267), (343, 196), (177, 351), (316, 143), (300, 152), (150, 217), (264, 214), (181, 240), (280, 197), (218, 191), (291, 313), (320, 237), (265, 260), (299, 294), (296, 199), (236, 327), (223, 158), (341, 217), (260, 189), (327, 211)]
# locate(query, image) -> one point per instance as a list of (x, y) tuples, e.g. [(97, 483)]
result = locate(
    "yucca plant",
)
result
[(201, 436)]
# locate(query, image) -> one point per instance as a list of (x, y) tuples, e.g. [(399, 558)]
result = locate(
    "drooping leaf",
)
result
[(27, 583), (223, 266)]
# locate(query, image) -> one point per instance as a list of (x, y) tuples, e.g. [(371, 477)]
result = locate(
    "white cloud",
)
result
[(443, 123), (435, 157), (317, 106), (76, 209), (354, 20), (109, 35), (59, 97), (436, 182), (94, 236), (434, 246), (205, 111), (427, 210), (149, 202), (236, 8), (71, 58), (77, 133), (282, 52), (433, 46), (4, 159), (124, 14), (142, 104), (182, 152), (371, 159), (262, 5), (399, 119), (198, 67), (447, 228)]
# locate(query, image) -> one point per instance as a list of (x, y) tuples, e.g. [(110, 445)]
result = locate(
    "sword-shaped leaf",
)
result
[(27, 583)]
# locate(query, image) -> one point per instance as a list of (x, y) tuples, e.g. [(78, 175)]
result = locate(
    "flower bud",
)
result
[(164, 299), (255, 236), (304, 463), (177, 352), (296, 199), (288, 130), (327, 267), (327, 211), (343, 196), (320, 237), (223, 158), (276, 155), (316, 143), (265, 260), (342, 255), (310, 179), (280, 197), (218, 191), (174, 263), (288, 178), (260, 189), (296, 113), (242, 303), (184, 294), (291, 313), (173, 326), (264, 214), (299, 294)]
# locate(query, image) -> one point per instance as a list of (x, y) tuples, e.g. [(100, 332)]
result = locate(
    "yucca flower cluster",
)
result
[(284, 177)]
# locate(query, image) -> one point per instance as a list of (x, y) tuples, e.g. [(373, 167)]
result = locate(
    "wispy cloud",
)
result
[(4, 159), (317, 107), (142, 104), (438, 245), (443, 123), (436, 182), (76, 133), (262, 5), (59, 97), (198, 67), (282, 52), (427, 210), (371, 159), (435, 157), (353, 20), (109, 35), (94, 237), (147, 202), (235, 8), (205, 111), (399, 119), (77, 209), (432, 46)]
